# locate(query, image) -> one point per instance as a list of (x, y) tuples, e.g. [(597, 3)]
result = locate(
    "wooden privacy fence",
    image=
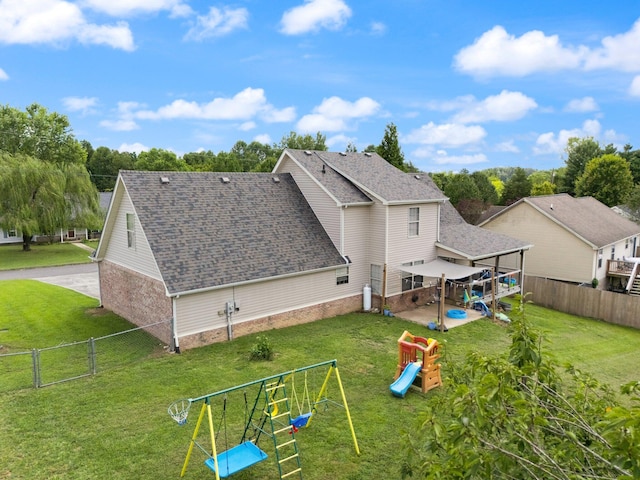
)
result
[(610, 307)]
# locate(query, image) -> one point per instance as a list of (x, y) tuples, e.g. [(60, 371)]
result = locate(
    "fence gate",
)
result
[(64, 362)]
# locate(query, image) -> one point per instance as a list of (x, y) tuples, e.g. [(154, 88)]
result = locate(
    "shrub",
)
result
[(262, 349)]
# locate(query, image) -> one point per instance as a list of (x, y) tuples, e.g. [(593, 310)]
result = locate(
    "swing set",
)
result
[(270, 415)]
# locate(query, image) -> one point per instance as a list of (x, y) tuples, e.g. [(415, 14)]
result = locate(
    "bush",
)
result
[(262, 349)]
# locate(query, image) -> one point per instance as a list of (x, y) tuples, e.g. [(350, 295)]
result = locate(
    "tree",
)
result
[(302, 142), (607, 178), (104, 165), (544, 188), (579, 151), (488, 193), (517, 187), (515, 416), (44, 183), (160, 160), (389, 147), (41, 197)]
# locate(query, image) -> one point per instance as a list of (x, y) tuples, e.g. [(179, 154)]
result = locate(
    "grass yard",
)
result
[(41, 255), (115, 425)]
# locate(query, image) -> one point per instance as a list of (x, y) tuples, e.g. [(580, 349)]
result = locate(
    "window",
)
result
[(131, 230), (409, 280), (11, 233), (600, 258), (342, 275), (414, 221), (613, 252), (626, 244), (376, 279)]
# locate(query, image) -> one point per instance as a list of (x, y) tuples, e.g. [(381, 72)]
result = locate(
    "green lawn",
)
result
[(41, 255), (115, 425)]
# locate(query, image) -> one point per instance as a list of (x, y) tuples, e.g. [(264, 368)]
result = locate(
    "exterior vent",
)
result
[(307, 152), (164, 180), (343, 154), (367, 154), (417, 177), (225, 179), (276, 179)]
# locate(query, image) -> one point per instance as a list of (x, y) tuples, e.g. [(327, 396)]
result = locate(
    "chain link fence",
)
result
[(42, 367)]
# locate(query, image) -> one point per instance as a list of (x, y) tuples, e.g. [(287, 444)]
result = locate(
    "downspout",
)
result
[(174, 327)]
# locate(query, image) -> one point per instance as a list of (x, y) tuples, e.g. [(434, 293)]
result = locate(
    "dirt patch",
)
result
[(96, 312)]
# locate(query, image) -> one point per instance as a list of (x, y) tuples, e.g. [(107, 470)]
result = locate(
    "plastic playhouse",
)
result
[(416, 365)]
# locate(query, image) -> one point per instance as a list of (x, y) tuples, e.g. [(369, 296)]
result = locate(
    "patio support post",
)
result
[(441, 306)]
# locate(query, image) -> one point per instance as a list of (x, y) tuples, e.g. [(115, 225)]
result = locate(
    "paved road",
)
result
[(82, 278)]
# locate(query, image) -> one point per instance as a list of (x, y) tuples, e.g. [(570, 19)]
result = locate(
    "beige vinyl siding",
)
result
[(404, 249), (140, 258), (322, 204), (556, 253), (199, 312), (377, 249), (356, 245)]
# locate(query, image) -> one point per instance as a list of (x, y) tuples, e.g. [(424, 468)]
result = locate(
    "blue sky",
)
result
[(468, 84)]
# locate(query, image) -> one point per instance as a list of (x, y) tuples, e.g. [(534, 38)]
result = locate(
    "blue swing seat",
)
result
[(237, 458), (301, 420)]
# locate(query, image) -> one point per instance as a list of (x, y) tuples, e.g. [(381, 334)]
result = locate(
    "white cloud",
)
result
[(125, 8), (56, 22), (441, 157), (507, 146), (498, 53), (446, 135), (3, 75), (550, 142), (378, 28), (271, 115), (136, 147), (618, 52), (504, 107), (264, 138), (121, 125), (334, 113), (245, 105), (246, 126), (580, 105), (314, 15), (340, 142), (218, 23), (634, 88), (80, 104)]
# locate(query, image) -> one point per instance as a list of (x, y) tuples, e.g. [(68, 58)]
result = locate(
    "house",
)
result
[(63, 235), (224, 254), (575, 239)]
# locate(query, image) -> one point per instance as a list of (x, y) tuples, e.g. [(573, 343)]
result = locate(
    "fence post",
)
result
[(35, 357), (92, 356)]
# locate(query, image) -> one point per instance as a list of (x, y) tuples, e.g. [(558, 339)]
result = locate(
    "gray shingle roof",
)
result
[(473, 242), (205, 233), (368, 172), (586, 216)]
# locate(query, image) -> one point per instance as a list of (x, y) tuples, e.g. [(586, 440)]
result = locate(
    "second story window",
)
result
[(414, 221), (131, 230)]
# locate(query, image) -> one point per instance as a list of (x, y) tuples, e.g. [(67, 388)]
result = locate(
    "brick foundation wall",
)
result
[(135, 297), (407, 300), (281, 320)]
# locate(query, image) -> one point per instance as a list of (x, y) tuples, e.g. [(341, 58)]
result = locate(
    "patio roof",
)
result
[(438, 267)]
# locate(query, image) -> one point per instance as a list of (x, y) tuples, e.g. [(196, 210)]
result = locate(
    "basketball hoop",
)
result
[(179, 410)]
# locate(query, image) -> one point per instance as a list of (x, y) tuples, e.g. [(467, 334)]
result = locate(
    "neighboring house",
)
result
[(575, 238), (10, 236), (224, 254)]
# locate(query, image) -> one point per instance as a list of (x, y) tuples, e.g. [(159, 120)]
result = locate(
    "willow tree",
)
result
[(44, 183)]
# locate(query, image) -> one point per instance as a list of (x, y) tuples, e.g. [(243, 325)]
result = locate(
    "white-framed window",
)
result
[(376, 279), (600, 258), (409, 280), (13, 233), (414, 221), (342, 275), (131, 230), (613, 252), (626, 244)]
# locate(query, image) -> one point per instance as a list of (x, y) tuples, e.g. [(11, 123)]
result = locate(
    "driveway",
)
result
[(82, 278)]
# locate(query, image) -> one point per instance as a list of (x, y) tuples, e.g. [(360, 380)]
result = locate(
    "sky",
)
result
[(468, 84)]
